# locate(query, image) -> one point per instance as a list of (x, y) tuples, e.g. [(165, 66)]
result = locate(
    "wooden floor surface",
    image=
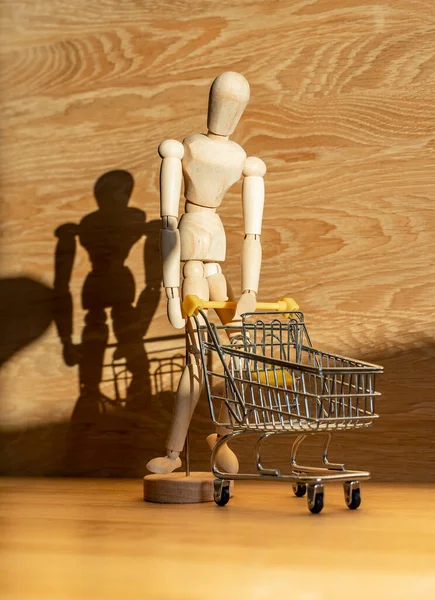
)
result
[(92, 539)]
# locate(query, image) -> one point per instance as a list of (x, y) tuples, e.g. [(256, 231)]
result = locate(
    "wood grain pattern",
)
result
[(87, 539), (342, 113)]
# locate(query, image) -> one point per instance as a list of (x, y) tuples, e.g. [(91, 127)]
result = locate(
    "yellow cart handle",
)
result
[(191, 304)]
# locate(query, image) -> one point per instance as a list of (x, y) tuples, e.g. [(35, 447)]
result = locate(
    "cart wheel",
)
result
[(315, 498), (352, 494), (221, 491), (299, 489)]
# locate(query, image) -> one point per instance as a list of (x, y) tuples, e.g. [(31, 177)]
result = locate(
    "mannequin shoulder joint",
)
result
[(171, 149), (254, 167)]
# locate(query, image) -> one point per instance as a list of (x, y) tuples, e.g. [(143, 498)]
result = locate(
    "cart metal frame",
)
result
[(276, 383)]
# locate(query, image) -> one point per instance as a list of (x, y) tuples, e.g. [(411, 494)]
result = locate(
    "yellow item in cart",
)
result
[(273, 377)]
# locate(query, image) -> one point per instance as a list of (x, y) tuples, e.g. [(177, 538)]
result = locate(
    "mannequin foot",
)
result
[(226, 458), (164, 464)]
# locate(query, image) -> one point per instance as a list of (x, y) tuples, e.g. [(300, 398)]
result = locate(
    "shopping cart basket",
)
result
[(271, 381)]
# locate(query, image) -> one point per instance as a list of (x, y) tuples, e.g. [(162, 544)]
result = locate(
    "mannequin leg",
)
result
[(221, 290), (192, 379)]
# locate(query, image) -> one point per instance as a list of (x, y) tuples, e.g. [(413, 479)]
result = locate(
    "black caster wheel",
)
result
[(315, 498), (299, 489), (352, 494), (221, 491)]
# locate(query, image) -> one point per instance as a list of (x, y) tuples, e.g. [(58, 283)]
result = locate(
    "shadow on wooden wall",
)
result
[(26, 309), (121, 390), (108, 235)]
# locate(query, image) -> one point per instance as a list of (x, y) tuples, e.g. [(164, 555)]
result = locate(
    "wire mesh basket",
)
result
[(273, 379)]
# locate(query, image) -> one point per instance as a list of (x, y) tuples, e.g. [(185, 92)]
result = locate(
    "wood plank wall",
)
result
[(343, 114)]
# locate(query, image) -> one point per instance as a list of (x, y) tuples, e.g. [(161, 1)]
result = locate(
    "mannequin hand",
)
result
[(174, 308), (71, 353), (247, 302)]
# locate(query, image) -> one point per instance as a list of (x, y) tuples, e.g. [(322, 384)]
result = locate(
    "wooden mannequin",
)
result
[(210, 164)]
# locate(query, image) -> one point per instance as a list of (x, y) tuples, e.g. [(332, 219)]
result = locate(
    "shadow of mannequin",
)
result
[(108, 297)]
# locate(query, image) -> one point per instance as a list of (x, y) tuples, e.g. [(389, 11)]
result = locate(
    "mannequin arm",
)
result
[(171, 178), (253, 202)]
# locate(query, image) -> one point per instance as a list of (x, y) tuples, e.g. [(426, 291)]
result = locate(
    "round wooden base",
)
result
[(176, 488)]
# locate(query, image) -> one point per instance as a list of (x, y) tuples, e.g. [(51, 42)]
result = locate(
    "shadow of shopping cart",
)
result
[(165, 358)]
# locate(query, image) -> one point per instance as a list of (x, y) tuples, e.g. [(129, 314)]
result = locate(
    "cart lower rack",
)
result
[(263, 376)]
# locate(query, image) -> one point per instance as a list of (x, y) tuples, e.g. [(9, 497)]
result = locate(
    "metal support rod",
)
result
[(187, 455), (186, 445)]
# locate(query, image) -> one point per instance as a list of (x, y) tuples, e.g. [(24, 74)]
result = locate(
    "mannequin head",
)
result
[(229, 95)]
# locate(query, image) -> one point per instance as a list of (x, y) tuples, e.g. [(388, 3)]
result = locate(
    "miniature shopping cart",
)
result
[(263, 376)]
